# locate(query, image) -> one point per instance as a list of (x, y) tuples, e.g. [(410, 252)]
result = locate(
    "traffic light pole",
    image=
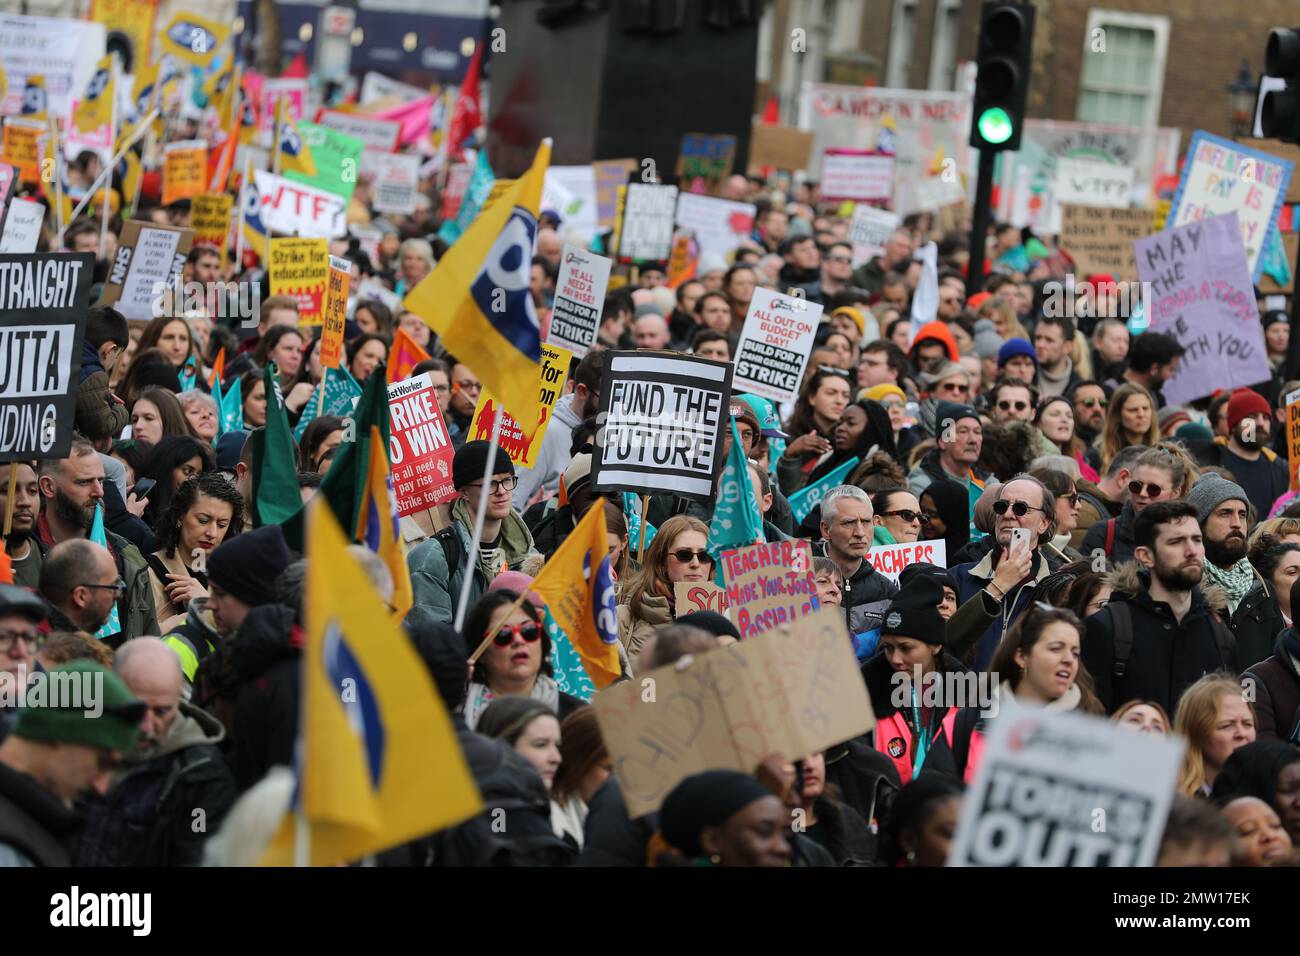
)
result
[(980, 223), (1291, 369)]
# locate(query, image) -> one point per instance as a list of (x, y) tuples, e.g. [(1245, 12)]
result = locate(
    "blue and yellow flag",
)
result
[(295, 154), (737, 522), (477, 297), (194, 39), (254, 229), (377, 523), (95, 109), (577, 585), (36, 102), (378, 763)]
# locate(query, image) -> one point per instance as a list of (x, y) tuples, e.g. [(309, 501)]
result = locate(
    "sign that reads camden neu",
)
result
[(43, 303)]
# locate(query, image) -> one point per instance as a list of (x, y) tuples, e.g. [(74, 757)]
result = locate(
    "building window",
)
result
[(943, 51), (1123, 68), (902, 44)]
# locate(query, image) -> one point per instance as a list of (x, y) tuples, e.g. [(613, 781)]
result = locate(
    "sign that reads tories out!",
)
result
[(775, 344), (419, 446)]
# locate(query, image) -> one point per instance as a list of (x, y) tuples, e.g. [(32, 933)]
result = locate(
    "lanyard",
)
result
[(922, 737)]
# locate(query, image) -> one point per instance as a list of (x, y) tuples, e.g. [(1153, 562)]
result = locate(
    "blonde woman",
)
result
[(1130, 420), (1004, 320), (676, 554), (1215, 719)]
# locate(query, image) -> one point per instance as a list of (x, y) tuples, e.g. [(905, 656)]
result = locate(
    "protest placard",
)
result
[(334, 315), (780, 147), (1293, 437), (719, 225), (418, 446), (704, 161), (376, 86), (691, 596), (1101, 240), (1061, 788), (396, 182), (22, 146), (1289, 152), (1090, 183), (664, 417), (646, 231), (890, 559), (869, 229), (856, 174), (44, 298), (769, 585), (292, 91), (210, 220), (935, 192), (809, 498), (296, 208), (523, 448), (609, 175), (1220, 177), (22, 228), (794, 692), (148, 257), (579, 300), (63, 50), (336, 156), (185, 168), (775, 344), (682, 260), (571, 192), (378, 134), (300, 268), (1201, 292)]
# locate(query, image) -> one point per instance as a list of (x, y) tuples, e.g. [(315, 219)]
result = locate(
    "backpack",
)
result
[(1123, 635), (452, 549)]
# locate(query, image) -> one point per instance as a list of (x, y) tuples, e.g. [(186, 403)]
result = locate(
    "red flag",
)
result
[(404, 356), (772, 111), (297, 68), (467, 115), (6, 566)]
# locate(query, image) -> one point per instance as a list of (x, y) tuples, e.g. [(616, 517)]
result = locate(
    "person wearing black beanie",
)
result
[(948, 606), (727, 818), (242, 572)]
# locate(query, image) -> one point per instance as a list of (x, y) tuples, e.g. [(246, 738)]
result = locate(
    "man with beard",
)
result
[(79, 580), (1245, 452), (25, 555), (570, 412), (1156, 642), (71, 488), (1089, 401), (1153, 359), (1221, 509)]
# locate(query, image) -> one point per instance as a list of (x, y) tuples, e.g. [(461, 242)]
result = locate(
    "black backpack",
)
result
[(1122, 616)]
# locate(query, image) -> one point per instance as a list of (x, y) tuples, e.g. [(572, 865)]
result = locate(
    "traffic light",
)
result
[(1002, 59), (1279, 116)]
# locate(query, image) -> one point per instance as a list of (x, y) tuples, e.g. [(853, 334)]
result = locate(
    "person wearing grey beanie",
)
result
[(987, 345), (1223, 511)]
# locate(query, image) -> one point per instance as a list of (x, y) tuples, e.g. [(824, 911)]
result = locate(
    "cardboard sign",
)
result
[(296, 208), (579, 300), (22, 229), (1093, 184), (1059, 788), (1101, 240), (300, 268), (185, 170), (691, 596), (419, 446), (1201, 292), (22, 147), (705, 161), (869, 230), (890, 559), (647, 226), (1293, 437), (775, 344), (610, 174), (147, 258), (210, 220), (523, 449), (377, 134), (1289, 152), (334, 316), (719, 225), (769, 586), (780, 147), (856, 174), (793, 692), (665, 416), (64, 50), (396, 182), (43, 303), (337, 157), (1220, 177)]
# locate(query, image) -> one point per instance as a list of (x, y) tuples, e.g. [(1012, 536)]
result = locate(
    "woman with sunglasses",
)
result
[(897, 516), (517, 660), (816, 413), (648, 598), (1130, 420)]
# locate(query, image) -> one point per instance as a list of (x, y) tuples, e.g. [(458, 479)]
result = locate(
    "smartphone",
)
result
[(1019, 541), (142, 488)]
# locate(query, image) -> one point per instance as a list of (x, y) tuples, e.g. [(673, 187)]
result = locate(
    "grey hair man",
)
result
[(847, 532)]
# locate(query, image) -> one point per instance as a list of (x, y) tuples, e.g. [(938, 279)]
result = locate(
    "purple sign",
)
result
[(1198, 288)]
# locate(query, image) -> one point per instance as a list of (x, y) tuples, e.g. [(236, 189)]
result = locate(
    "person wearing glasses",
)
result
[(1011, 400), (1157, 476), (517, 662), (80, 581), (648, 600), (21, 615), (438, 565), (898, 517), (1061, 484), (960, 439), (945, 382)]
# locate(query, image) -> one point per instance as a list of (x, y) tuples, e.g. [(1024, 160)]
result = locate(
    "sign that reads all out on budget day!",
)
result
[(774, 345), (148, 257), (579, 300), (665, 416), (419, 446), (43, 303)]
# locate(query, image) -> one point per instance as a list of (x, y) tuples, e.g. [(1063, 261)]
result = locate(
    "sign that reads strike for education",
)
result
[(775, 344), (661, 424), (43, 304)]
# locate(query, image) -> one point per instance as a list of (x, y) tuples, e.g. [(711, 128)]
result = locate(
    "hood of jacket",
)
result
[(936, 331), (192, 727), (198, 616), (516, 539), (566, 414), (265, 638), (1128, 578), (90, 363)]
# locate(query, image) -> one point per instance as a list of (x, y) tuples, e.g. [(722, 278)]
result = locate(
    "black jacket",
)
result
[(866, 779), (1121, 548), (866, 598), (878, 675), (1256, 623), (611, 837), (1276, 683), (1167, 657), (33, 822), (843, 834), (266, 658)]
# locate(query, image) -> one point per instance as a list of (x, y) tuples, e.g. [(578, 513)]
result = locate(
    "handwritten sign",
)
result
[(22, 229), (705, 161), (579, 300), (148, 257), (935, 192), (185, 169), (300, 268), (610, 174), (775, 344), (891, 559), (1293, 437), (1101, 240), (210, 220), (780, 147), (794, 692), (523, 448), (719, 225), (419, 446), (1091, 183), (647, 226), (334, 315), (691, 596), (869, 229), (769, 585), (856, 174), (22, 147), (1201, 292)]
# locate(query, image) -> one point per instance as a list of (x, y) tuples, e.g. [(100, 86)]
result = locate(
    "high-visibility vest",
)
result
[(893, 738)]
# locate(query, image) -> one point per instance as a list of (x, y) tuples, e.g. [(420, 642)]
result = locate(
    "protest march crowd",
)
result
[(334, 604)]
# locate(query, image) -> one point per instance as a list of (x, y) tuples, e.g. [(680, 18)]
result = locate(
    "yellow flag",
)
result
[(95, 109), (295, 154), (379, 764), (194, 39)]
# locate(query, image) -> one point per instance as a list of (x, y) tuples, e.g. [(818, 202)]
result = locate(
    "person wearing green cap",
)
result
[(54, 754)]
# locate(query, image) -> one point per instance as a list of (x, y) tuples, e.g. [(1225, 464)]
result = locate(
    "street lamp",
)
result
[(1241, 96)]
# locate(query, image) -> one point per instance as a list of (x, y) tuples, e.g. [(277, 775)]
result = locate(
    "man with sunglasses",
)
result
[(1011, 400), (80, 581), (1089, 400), (1157, 476)]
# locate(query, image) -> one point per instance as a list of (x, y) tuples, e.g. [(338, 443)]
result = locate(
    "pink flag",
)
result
[(413, 116)]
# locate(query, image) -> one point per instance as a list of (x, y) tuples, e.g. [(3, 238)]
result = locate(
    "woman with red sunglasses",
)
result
[(677, 553), (517, 661)]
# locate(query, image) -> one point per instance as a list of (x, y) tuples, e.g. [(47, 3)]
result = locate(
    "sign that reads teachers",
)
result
[(775, 344), (44, 298), (661, 425), (769, 586), (579, 300)]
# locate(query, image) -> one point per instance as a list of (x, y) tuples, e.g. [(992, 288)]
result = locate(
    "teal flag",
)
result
[(97, 536), (737, 521), (806, 500), (631, 504), (477, 191), (1274, 258), (566, 665), (230, 409), (341, 394), (189, 374)]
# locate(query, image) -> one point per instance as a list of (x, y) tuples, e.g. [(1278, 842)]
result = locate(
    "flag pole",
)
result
[(320, 401), (239, 232), (640, 547), (112, 138), (484, 493), (301, 840), (58, 180), (9, 501), (117, 158)]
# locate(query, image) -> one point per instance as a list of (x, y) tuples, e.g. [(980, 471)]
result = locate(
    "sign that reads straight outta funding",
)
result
[(661, 424), (775, 344)]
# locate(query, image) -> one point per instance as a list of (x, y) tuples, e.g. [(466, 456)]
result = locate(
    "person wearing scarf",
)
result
[(1223, 511)]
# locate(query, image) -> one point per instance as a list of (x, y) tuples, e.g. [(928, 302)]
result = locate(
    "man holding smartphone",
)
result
[(1002, 584)]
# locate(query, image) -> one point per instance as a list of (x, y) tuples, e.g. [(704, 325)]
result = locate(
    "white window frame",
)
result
[(1159, 26), (901, 49), (937, 80)]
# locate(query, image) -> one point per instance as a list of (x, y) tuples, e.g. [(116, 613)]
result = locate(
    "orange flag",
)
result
[(6, 567), (218, 368), (404, 356)]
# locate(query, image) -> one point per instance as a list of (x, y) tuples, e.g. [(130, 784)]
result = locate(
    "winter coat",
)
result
[(928, 469), (866, 779), (194, 638), (842, 834), (866, 598), (266, 657), (1168, 655), (1277, 692), (150, 816), (878, 675), (34, 823), (1256, 624), (1122, 543), (550, 525), (971, 580), (971, 726), (611, 837), (1093, 507), (98, 414), (552, 458), (634, 629)]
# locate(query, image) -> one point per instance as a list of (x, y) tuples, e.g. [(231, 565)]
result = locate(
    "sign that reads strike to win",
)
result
[(419, 446), (775, 344)]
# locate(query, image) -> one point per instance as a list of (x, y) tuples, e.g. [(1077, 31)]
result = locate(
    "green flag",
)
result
[(337, 157), (736, 518), (275, 476)]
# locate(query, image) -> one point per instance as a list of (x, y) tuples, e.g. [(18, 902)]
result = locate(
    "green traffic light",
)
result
[(995, 125)]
